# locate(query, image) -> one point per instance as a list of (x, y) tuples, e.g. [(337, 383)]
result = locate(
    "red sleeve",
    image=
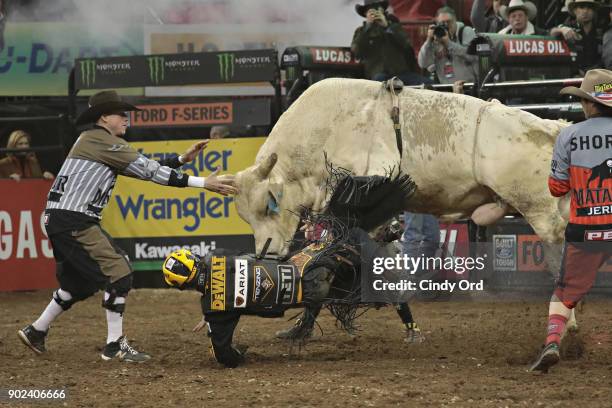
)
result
[(558, 187)]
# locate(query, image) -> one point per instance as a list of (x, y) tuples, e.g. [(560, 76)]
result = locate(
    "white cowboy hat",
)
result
[(530, 9)]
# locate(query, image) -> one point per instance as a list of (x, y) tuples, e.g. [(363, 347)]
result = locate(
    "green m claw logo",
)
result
[(157, 69), (226, 66), (88, 72)]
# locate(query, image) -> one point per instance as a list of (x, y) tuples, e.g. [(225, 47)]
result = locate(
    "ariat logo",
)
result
[(226, 66), (157, 69), (88, 71), (603, 87)]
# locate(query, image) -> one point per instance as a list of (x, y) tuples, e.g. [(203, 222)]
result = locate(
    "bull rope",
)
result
[(393, 85)]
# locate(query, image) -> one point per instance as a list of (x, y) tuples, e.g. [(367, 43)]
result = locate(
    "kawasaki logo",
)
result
[(226, 66), (88, 72), (156, 69)]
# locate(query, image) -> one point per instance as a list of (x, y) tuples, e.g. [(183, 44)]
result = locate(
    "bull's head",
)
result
[(270, 202)]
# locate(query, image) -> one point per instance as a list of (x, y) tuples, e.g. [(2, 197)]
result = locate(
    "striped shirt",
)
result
[(86, 180)]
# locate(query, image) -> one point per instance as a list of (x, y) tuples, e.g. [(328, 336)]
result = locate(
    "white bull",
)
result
[(462, 152)]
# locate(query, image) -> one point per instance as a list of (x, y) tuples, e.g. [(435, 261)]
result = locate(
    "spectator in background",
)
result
[(488, 21), (23, 164), (607, 43), (445, 50), (219, 132), (582, 34), (382, 45), (519, 15)]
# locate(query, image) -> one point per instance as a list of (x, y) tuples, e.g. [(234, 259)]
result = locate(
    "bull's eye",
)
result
[(272, 207)]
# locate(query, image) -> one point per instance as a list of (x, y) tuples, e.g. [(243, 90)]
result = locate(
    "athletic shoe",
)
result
[(548, 358), (34, 339), (413, 334), (122, 350)]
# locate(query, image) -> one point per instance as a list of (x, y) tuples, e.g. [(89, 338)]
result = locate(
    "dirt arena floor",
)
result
[(476, 354)]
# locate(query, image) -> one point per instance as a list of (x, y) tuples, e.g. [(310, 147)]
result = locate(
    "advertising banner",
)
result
[(233, 112), (182, 38), (37, 57), (518, 258), (177, 69), (531, 255), (26, 256), (149, 221)]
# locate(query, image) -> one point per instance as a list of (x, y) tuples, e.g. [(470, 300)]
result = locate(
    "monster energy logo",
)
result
[(226, 66), (88, 72), (156, 69)]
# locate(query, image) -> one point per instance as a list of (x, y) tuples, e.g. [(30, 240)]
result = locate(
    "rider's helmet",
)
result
[(180, 268)]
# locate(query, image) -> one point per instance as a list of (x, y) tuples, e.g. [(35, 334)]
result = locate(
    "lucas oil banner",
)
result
[(149, 221)]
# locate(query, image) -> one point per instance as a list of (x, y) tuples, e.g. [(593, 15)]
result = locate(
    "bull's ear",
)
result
[(265, 167)]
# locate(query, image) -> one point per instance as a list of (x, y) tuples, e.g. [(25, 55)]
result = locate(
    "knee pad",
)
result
[(110, 304), (121, 287), (65, 304), (560, 297)]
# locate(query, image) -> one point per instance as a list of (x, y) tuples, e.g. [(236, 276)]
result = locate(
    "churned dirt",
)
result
[(476, 354)]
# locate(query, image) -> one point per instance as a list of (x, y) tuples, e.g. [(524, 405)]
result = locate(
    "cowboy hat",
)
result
[(362, 9), (590, 3), (102, 103), (596, 87), (528, 7)]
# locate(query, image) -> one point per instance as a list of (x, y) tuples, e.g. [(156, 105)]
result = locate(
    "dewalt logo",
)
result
[(226, 66), (88, 72), (157, 69)]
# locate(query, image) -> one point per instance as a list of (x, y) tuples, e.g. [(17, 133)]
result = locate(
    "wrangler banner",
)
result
[(149, 221), (26, 256), (37, 57)]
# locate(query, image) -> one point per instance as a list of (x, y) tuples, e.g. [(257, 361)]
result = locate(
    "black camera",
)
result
[(440, 30)]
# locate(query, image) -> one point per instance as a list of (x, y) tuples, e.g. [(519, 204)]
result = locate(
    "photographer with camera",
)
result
[(445, 50), (382, 45)]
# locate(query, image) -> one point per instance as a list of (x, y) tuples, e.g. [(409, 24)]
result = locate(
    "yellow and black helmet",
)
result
[(180, 268)]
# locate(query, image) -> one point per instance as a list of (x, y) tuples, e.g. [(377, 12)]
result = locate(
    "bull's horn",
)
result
[(265, 167)]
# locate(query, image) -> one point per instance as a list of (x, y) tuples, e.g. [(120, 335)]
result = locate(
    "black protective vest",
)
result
[(249, 285)]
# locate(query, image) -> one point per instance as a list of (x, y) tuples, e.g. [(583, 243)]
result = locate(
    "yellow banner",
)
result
[(145, 209)]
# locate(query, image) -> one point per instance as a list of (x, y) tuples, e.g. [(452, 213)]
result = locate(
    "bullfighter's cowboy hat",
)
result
[(596, 87), (528, 7), (362, 9), (102, 103)]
